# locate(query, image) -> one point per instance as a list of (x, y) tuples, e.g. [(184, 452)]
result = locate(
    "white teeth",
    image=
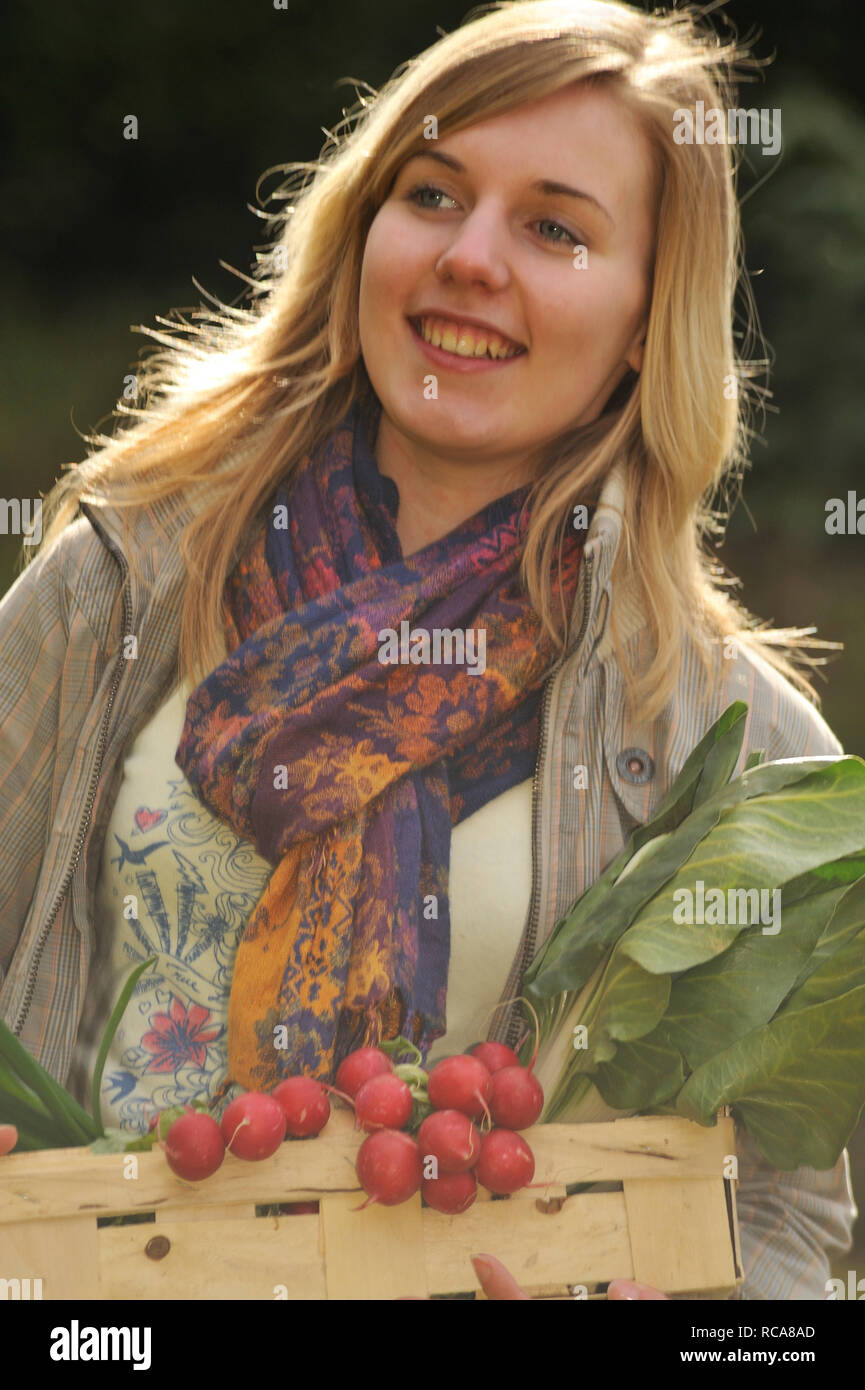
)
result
[(464, 341)]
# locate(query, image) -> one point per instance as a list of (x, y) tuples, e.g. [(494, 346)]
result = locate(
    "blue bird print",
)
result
[(134, 856), (124, 1081)]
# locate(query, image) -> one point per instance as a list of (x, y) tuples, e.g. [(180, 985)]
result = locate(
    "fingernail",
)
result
[(625, 1291), (482, 1267)]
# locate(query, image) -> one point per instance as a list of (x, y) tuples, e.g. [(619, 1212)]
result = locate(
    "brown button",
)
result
[(635, 765), (157, 1248)]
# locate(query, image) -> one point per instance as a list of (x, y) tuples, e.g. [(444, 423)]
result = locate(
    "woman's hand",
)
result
[(497, 1283), (8, 1138)]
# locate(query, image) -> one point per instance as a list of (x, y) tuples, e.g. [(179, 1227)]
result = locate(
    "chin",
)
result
[(436, 425)]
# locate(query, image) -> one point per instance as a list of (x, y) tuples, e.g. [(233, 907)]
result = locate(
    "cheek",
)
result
[(599, 315), (370, 273), (389, 261)]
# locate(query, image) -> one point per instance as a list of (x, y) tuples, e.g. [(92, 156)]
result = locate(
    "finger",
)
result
[(496, 1282), (628, 1289), (8, 1138)]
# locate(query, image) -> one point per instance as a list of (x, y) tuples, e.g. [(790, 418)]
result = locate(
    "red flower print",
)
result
[(177, 1037)]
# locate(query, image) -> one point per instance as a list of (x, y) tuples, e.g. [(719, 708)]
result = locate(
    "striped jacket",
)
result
[(73, 698)]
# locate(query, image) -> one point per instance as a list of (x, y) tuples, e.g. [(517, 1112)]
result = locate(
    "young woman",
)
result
[(349, 664)]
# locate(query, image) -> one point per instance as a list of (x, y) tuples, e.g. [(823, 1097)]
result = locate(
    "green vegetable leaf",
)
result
[(707, 767), (591, 933), (759, 845), (762, 987), (743, 987), (671, 811), (723, 754), (32, 1120), (842, 971), (846, 922), (108, 1036), (796, 1084), (643, 1074), (397, 1047), (627, 1003), (112, 1141), (72, 1124)]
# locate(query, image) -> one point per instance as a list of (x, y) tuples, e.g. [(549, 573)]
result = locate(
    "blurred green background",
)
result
[(100, 233)]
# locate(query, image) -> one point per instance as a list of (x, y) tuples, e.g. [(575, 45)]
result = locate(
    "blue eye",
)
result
[(416, 194), (413, 195), (546, 221)]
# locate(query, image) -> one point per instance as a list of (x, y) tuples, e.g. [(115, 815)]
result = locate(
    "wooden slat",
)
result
[(65, 1182), (377, 1253), (679, 1233), (62, 1253), (585, 1242), (218, 1260), (216, 1211), (643, 1147)]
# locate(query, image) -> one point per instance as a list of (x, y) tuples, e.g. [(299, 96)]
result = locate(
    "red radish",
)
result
[(383, 1102), (451, 1193), (361, 1066), (451, 1138), (194, 1146), (305, 1104), (389, 1166), (460, 1083), (253, 1126), (495, 1055), (506, 1163), (516, 1098)]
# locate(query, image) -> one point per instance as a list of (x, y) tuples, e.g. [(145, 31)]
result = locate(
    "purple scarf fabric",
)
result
[(348, 770)]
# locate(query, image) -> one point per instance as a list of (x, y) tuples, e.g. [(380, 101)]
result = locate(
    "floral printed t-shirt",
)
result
[(176, 882)]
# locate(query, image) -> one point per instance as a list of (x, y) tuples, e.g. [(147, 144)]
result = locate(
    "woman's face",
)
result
[(487, 241)]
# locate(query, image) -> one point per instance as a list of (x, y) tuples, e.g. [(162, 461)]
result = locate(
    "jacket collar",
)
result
[(599, 556)]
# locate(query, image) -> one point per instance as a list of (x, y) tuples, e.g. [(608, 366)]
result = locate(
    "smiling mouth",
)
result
[(465, 340)]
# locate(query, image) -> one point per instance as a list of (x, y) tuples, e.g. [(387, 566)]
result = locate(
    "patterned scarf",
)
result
[(346, 754)]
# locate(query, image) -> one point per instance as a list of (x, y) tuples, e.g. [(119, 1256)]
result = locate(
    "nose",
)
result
[(474, 254)]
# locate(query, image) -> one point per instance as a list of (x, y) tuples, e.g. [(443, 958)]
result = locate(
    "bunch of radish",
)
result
[(476, 1102), (253, 1127), (465, 1115)]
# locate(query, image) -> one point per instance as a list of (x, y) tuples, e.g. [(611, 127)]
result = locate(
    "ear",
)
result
[(634, 355)]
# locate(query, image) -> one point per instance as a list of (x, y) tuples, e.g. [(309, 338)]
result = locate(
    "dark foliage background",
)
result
[(99, 233)]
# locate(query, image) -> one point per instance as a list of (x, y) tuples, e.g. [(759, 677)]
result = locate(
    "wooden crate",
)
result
[(672, 1224)]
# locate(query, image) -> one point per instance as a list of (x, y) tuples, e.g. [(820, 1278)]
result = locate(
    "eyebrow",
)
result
[(550, 187)]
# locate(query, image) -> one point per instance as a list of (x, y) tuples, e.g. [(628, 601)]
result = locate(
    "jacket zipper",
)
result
[(516, 1025), (94, 781)]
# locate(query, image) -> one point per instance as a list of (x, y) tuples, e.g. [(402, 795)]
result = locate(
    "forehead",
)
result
[(584, 133)]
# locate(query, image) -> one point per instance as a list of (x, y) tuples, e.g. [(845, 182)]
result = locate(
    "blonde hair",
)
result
[(232, 400)]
